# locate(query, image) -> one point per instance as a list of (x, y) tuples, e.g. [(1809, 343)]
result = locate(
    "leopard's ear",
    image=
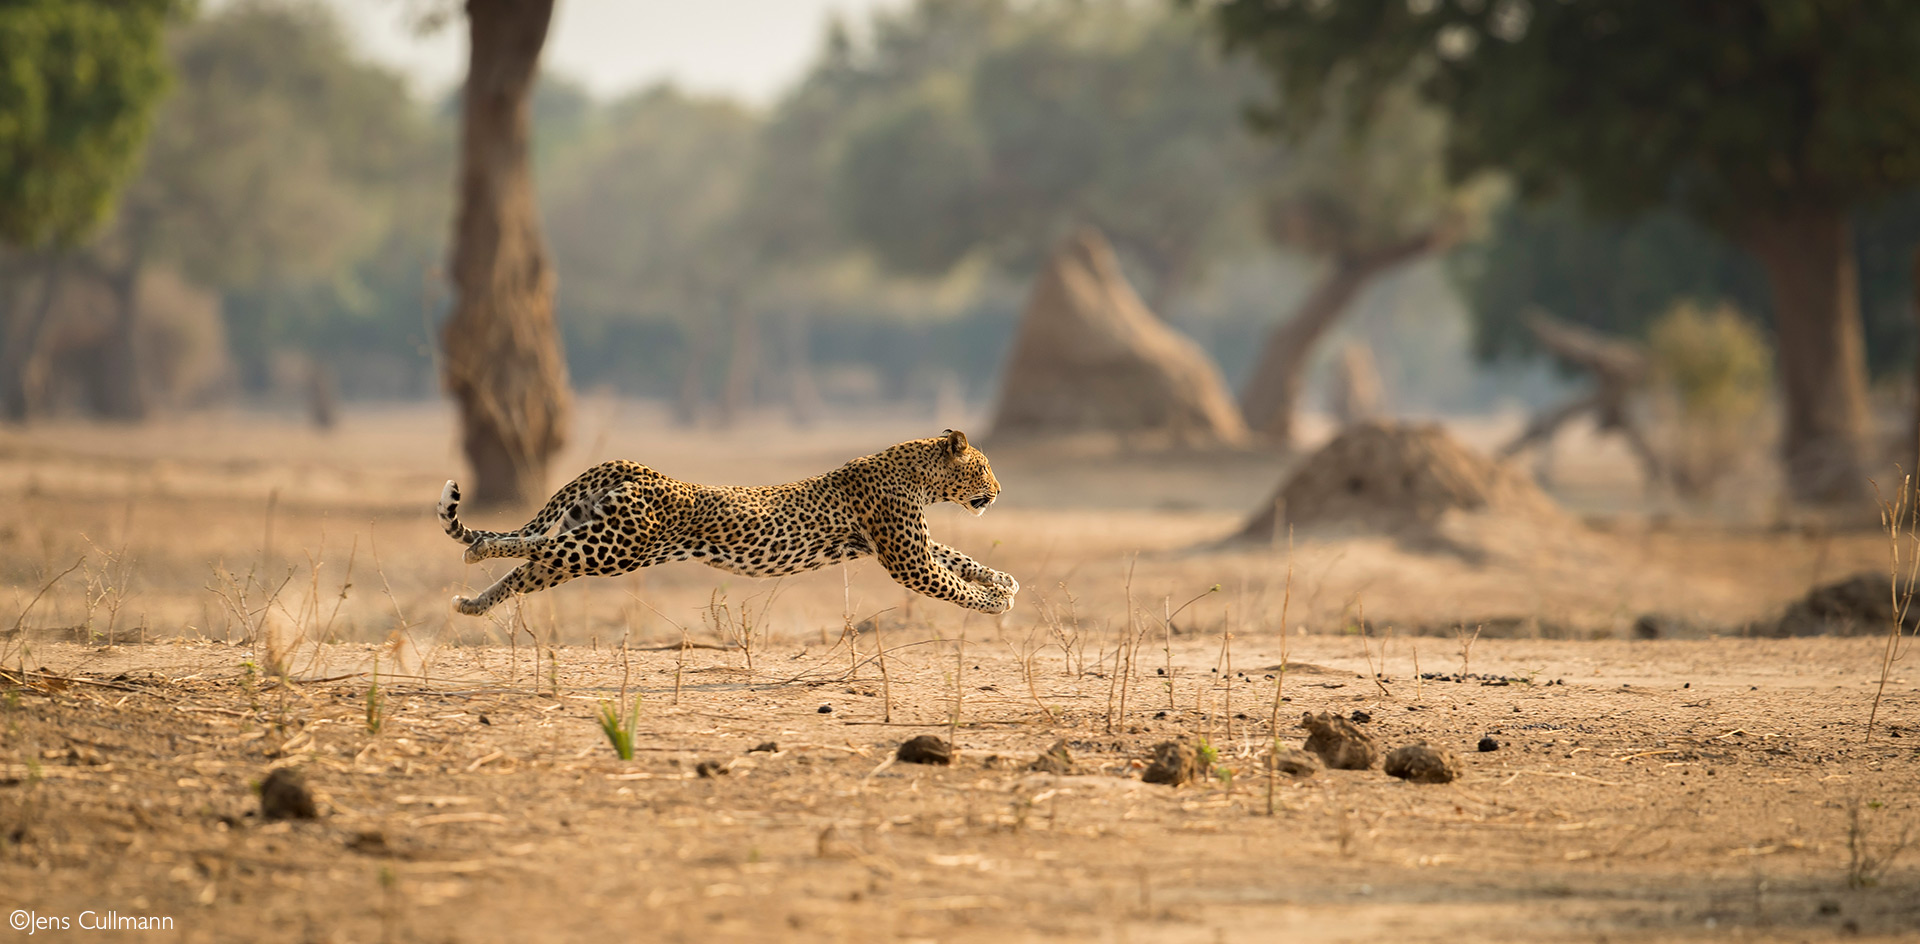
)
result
[(955, 443)]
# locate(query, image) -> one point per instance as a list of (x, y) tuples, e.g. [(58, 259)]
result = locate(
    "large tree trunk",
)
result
[(23, 365), (1808, 255), (1272, 394), (503, 365), (113, 382)]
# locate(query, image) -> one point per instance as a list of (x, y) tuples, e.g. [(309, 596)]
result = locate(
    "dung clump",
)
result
[(925, 749), (284, 795), (1293, 762), (1419, 763), (1057, 760), (1174, 763), (1338, 742)]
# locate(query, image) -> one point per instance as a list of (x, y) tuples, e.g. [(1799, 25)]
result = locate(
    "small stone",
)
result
[(1294, 762), (1359, 717), (826, 709), (1419, 763), (1174, 763), (925, 749), (767, 747), (1340, 745), (284, 795), (711, 768), (369, 842), (1488, 745)]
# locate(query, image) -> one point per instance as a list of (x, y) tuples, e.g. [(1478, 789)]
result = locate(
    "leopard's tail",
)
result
[(450, 515), (449, 511)]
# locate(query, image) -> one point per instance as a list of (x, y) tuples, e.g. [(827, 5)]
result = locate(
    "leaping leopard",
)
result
[(620, 516)]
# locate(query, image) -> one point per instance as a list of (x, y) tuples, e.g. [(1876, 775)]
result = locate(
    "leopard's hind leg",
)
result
[(530, 577), (600, 539), (567, 506)]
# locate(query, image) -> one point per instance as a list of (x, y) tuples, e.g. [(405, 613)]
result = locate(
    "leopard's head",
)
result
[(961, 474)]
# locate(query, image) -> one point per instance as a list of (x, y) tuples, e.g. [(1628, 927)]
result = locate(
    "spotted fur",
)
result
[(620, 516)]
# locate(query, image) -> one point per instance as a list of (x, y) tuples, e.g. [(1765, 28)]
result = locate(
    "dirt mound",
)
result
[(1090, 358), (1397, 479), (1862, 604)]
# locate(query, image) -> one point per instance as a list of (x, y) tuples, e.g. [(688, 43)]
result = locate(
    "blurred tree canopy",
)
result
[(992, 128), (80, 82), (1770, 122)]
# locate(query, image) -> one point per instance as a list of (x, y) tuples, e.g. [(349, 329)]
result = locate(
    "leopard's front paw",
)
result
[(1004, 581), (998, 601)]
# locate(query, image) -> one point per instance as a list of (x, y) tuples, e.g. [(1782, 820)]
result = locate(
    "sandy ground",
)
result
[(239, 582)]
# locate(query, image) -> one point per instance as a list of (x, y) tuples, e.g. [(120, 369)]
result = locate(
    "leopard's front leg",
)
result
[(970, 570), (900, 542)]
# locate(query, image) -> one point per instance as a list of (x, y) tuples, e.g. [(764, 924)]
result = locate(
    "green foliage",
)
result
[(78, 84), (375, 702), (1730, 107), (1034, 120), (1713, 370), (619, 731), (1717, 362)]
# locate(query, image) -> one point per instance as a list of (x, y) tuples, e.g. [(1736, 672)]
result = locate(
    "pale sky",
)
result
[(751, 49)]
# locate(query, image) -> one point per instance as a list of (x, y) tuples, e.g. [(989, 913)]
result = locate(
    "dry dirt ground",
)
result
[(237, 584)]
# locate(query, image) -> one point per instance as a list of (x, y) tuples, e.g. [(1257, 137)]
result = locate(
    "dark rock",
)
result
[(826, 709), (925, 749), (1422, 764), (1339, 744), (712, 768), (284, 795), (1359, 717), (1488, 745), (766, 747)]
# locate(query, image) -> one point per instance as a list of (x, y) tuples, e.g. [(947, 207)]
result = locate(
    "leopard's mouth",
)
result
[(980, 503)]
